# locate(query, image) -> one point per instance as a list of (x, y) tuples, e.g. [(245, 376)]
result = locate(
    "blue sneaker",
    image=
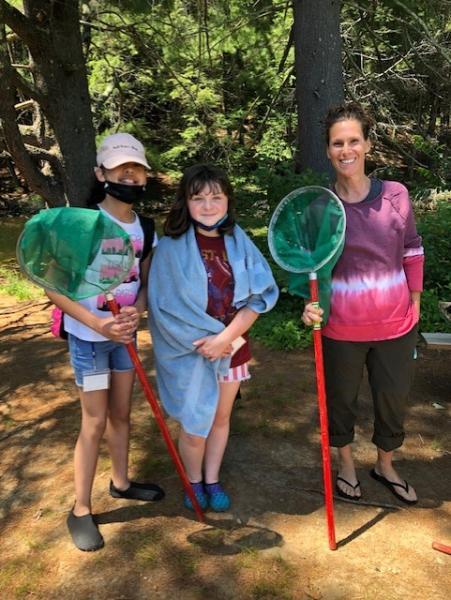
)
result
[(218, 499), (199, 492)]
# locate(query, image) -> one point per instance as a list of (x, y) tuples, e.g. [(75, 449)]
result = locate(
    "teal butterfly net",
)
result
[(76, 252), (306, 235)]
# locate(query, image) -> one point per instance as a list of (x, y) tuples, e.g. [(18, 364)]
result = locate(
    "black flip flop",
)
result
[(392, 485), (343, 494), (84, 532)]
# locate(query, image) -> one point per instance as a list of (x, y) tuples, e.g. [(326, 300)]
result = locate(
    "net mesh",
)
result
[(77, 252), (306, 235)]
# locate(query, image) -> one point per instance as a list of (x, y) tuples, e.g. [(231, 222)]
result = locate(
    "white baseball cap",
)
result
[(120, 148)]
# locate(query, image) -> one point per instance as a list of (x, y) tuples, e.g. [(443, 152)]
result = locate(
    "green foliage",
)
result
[(431, 319), (215, 82), (14, 284), (274, 144), (396, 60), (435, 227), (282, 329), (197, 75), (436, 156)]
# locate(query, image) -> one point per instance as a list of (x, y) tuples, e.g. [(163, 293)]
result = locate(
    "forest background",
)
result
[(241, 83), (246, 84)]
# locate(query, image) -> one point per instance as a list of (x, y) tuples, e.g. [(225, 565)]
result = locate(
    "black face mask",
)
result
[(124, 192)]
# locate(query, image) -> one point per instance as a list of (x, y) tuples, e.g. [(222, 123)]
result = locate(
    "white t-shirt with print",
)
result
[(125, 293)]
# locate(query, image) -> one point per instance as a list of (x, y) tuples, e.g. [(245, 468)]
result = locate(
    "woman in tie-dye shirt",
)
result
[(375, 305)]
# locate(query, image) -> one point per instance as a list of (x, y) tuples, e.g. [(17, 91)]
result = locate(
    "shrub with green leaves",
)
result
[(282, 329), (435, 227), (13, 283)]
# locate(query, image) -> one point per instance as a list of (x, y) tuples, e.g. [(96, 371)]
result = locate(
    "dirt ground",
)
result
[(273, 542)]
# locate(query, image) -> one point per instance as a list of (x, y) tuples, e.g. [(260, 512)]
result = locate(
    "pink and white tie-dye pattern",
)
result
[(382, 259)]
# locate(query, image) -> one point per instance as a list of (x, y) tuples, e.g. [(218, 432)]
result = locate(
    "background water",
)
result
[(10, 229)]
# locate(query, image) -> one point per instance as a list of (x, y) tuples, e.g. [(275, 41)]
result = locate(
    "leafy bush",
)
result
[(435, 227), (282, 329), (431, 318), (15, 284)]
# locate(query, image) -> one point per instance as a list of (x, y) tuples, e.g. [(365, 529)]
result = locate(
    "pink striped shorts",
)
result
[(239, 373)]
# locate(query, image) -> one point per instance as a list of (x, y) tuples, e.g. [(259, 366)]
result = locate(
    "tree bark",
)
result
[(319, 77), (51, 32)]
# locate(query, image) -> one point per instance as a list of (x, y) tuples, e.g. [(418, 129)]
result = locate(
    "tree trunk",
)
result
[(51, 32), (319, 77)]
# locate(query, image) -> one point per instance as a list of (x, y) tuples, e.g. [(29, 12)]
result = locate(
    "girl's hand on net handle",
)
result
[(122, 327)]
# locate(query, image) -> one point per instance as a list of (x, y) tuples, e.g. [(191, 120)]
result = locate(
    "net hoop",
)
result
[(272, 227), (74, 217)]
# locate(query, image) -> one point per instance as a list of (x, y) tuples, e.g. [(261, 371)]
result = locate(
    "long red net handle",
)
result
[(324, 427), (441, 547), (150, 395)]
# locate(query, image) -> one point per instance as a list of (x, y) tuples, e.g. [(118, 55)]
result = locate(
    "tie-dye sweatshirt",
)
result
[(382, 262)]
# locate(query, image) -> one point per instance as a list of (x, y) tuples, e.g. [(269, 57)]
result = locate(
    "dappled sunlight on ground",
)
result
[(273, 542)]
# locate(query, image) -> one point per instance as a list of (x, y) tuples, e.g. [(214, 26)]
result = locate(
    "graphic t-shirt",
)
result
[(125, 293), (221, 288)]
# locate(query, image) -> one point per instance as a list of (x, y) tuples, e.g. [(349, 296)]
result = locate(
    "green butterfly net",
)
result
[(77, 252), (306, 235)]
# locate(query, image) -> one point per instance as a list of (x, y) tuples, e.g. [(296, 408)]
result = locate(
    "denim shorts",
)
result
[(92, 357)]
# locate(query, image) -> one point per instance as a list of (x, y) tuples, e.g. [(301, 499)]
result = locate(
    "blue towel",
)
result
[(178, 297)]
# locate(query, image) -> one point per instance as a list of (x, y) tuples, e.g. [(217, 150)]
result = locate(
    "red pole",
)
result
[(324, 426), (114, 308), (441, 547)]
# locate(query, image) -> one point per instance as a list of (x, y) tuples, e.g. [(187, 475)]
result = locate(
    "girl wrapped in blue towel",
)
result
[(207, 286)]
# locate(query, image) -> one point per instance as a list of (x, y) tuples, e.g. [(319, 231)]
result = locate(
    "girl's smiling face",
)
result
[(208, 206), (347, 148)]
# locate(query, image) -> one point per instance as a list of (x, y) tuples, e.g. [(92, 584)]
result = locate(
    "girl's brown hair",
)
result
[(344, 112), (194, 179)]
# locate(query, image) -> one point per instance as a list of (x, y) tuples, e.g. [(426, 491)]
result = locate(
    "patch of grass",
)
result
[(19, 578), (13, 283), (37, 545), (436, 445), (184, 561), (148, 555), (267, 590), (276, 579), (8, 422), (143, 537), (147, 546), (273, 578)]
